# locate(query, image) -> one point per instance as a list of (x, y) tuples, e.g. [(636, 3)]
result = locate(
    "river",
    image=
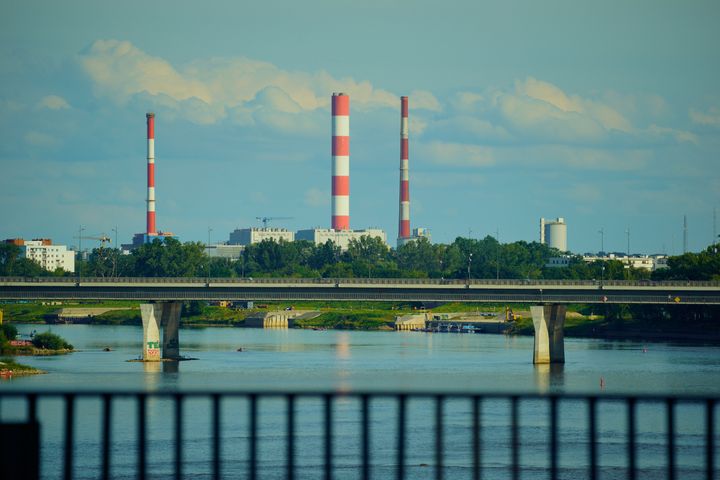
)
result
[(300, 360)]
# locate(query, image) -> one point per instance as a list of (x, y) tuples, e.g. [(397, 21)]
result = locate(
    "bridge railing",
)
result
[(363, 435), (203, 281)]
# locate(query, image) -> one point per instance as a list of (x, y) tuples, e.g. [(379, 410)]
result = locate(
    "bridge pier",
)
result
[(549, 323), (157, 315)]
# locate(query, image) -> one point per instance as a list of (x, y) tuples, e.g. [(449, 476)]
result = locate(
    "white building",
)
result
[(231, 252), (554, 233), (341, 238), (248, 236), (645, 262), (417, 233), (48, 256)]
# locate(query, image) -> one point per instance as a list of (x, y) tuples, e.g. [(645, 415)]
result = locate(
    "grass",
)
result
[(7, 363)]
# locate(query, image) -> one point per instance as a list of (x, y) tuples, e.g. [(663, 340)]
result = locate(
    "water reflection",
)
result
[(170, 367), (549, 377)]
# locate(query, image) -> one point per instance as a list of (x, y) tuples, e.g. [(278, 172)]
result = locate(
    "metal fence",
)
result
[(454, 448)]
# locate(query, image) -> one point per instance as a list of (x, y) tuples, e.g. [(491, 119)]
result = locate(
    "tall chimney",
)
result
[(404, 214), (340, 161), (151, 230)]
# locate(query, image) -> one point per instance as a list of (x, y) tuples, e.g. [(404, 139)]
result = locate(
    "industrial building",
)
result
[(43, 252), (553, 233), (230, 252), (341, 238), (642, 262), (417, 233), (249, 236)]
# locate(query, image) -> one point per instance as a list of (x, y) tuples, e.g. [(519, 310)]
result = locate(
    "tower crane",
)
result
[(265, 220)]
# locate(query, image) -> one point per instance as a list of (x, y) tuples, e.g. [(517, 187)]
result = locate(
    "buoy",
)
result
[(239, 349)]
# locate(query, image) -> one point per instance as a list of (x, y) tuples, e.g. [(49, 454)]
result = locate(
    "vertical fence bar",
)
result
[(592, 441), (402, 399), (32, 408), (670, 410), (216, 435), (553, 438), (253, 437), (631, 439), (439, 401), (328, 437), (709, 439), (514, 434), (142, 454), (290, 474), (178, 434), (69, 434), (107, 435), (477, 424), (365, 438)]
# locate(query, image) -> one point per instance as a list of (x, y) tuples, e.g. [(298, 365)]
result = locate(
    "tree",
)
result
[(50, 341)]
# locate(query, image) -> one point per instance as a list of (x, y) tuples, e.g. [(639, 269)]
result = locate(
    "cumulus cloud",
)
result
[(209, 90), (315, 197), (457, 154), (53, 102), (710, 118)]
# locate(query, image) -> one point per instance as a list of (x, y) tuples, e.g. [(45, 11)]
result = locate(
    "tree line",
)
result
[(365, 257)]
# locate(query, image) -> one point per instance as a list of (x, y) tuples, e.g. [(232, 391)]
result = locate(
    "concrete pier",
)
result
[(167, 316), (549, 323)]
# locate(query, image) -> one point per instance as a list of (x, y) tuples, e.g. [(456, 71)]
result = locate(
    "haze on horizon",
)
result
[(604, 113)]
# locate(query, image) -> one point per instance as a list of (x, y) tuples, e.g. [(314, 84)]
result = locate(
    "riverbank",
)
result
[(584, 321), (10, 368)]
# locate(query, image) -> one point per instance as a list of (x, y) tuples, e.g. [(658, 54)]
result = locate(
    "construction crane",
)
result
[(103, 239), (265, 220)]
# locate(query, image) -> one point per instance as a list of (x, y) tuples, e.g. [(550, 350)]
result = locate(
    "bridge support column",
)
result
[(155, 315), (549, 323)]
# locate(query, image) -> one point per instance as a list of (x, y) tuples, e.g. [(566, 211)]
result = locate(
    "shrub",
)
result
[(50, 341), (9, 331)]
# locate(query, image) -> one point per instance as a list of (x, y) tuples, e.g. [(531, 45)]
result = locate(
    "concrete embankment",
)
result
[(279, 318)]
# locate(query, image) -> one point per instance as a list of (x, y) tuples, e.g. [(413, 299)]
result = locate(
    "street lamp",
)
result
[(468, 268), (116, 235), (602, 240), (80, 230)]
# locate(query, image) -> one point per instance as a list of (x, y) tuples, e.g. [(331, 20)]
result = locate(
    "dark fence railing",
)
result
[(356, 435), (202, 281)]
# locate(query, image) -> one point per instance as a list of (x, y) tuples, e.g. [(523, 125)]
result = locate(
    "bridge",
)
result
[(548, 298)]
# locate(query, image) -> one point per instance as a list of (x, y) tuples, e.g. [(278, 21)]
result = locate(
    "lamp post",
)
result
[(627, 232), (497, 255), (208, 256), (602, 240), (468, 268), (116, 235), (80, 230)]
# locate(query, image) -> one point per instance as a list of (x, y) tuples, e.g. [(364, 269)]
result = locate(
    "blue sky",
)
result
[(605, 113)]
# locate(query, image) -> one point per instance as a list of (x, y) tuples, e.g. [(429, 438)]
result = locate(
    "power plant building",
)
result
[(230, 252), (43, 252), (417, 233), (341, 238), (553, 233), (249, 236)]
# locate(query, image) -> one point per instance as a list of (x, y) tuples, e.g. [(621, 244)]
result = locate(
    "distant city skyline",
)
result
[(606, 116)]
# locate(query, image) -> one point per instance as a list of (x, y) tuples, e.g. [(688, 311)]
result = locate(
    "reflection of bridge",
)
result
[(548, 296)]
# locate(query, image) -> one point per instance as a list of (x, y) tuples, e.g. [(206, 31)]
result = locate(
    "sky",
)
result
[(604, 113)]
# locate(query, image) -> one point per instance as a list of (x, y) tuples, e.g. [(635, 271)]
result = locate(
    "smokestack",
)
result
[(404, 216), (340, 161), (151, 230)]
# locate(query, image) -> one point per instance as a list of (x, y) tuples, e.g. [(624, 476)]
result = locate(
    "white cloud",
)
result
[(206, 89), (53, 102), (457, 154), (710, 118), (40, 139), (315, 197)]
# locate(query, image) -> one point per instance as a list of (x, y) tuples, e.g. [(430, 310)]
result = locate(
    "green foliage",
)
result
[(8, 331), (50, 341), (693, 266)]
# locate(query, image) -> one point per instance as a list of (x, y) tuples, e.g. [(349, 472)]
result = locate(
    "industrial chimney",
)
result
[(151, 230), (340, 161), (404, 215)]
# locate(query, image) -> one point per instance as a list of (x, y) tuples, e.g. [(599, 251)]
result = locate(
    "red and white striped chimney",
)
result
[(151, 230), (404, 221), (340, 161)]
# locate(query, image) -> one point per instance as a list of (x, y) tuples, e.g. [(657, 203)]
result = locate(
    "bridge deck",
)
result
[(426, 290)]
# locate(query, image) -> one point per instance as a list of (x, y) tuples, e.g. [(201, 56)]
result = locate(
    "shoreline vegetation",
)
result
[(586, 321), (9, 368)]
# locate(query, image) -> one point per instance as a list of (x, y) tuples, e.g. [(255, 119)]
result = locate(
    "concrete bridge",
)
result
[(547, 297)]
